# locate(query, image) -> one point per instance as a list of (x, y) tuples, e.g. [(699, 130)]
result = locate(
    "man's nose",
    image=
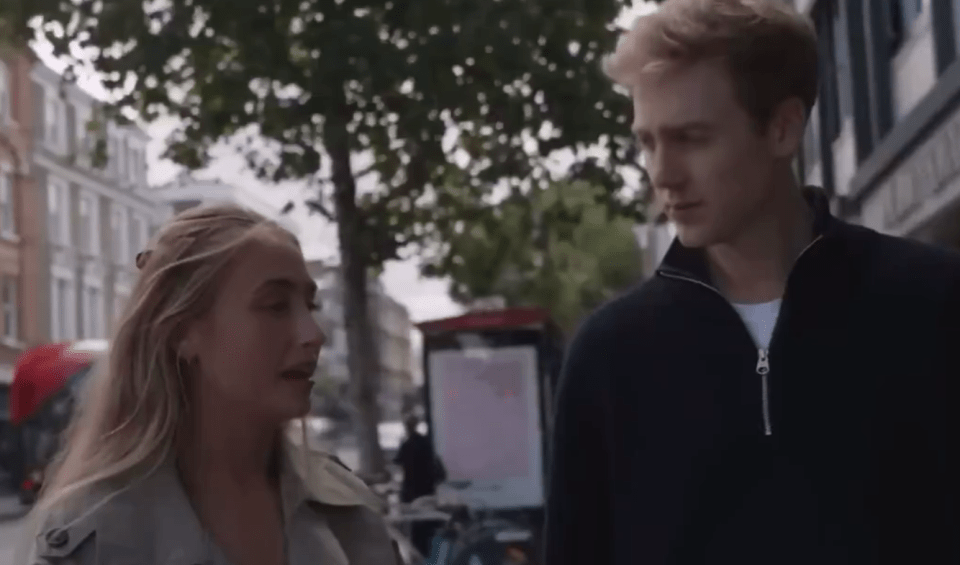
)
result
[(665, 168)]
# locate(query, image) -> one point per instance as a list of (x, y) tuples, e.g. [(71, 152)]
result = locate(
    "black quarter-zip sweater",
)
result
[(669, 449)]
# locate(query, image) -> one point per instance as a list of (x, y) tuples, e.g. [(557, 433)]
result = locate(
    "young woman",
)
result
[(179, 453)]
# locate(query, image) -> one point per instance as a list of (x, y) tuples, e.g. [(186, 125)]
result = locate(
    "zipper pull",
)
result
[(763, 369), (763, 362)]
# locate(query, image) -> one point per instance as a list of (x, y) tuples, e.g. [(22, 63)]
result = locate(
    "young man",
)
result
[(784, 390)]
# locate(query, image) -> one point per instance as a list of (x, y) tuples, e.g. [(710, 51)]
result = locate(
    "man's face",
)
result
[(710, 166)]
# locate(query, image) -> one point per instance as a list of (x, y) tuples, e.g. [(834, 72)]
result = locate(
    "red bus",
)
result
[(47, 381)]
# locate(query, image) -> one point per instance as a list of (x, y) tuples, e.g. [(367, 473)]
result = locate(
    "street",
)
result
[(11, 518), (8, 539)]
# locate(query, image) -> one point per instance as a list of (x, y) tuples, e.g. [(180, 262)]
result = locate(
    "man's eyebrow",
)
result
[(695, 125)]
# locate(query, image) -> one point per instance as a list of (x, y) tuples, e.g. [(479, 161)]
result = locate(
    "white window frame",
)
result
[(142, 233), (92, 312), (122, 149), (63, 313), (54, 117), (11, 310), (92, 242), (6, 94), (8, 215), (120, 234), (120, 299), (58, 194), (136, 162), (113, 150), (84, 146)]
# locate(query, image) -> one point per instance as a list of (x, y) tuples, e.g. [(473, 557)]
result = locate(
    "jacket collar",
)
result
[(153, 515), (692, 263)]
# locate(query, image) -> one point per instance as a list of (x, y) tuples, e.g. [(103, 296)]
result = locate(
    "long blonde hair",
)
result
[(129, 420)]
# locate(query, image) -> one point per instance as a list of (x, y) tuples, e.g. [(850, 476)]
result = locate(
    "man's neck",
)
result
[(753, 267)]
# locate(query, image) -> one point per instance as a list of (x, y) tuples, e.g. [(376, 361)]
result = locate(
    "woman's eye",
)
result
[(279, 307), (314, 306)]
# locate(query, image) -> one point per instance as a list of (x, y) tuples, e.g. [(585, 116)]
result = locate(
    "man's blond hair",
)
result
[(769, 48)]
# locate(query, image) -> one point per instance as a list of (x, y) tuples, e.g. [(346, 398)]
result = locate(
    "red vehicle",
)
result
[(46, 383)]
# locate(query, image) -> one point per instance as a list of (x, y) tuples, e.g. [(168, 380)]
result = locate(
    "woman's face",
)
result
[(257, 347)]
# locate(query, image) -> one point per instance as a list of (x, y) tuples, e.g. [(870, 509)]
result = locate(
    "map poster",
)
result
[(486, 423)]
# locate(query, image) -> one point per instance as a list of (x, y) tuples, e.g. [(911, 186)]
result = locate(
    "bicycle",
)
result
[(480, 537)]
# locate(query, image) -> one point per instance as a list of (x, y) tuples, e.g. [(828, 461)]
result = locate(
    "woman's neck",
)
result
[(231, 453)]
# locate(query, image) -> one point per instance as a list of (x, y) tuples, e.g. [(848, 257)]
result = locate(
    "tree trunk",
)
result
[(363, 358)]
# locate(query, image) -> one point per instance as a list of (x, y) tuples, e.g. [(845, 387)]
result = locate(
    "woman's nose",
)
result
[(310, 332)]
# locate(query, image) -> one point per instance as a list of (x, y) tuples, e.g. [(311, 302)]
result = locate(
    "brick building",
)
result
[(20, 224)]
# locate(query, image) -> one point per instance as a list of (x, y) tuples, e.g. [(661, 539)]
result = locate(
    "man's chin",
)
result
[(693, 237)]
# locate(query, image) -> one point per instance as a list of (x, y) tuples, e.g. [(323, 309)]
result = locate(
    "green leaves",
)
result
[(457, 102), (560, 247), (519, 81)]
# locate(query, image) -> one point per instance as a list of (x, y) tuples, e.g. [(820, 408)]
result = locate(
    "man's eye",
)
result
[(314, 306), (694, 139), (279, 306)]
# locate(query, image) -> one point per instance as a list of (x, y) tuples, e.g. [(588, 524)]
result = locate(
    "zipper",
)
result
[(763, 369), (763, 355)]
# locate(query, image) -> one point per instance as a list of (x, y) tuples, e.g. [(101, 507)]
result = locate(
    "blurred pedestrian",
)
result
[(179, 452), (783, 389), (422, 472)]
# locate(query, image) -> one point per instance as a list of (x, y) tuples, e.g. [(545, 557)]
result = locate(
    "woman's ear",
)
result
[(187, 348)]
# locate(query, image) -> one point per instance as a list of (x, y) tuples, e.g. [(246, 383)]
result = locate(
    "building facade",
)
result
[(884, 139), (187, 192), (98, 214), (393, 330), (21, 224)]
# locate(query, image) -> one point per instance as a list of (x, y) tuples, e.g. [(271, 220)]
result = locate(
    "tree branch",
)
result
[(318, 207)]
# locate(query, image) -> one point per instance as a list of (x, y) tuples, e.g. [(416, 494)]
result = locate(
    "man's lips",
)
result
[(683, 206)]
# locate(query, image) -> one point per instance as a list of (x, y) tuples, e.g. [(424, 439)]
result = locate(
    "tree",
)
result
[(322, 81), (562, 248)]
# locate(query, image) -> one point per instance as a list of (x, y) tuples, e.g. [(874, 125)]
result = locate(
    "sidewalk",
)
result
[(10, 508)]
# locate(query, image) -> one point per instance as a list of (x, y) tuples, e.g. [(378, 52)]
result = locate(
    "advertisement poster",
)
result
[(487, 425)]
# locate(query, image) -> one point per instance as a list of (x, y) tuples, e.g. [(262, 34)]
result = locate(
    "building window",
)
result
[(63, 309), (89, 224), (55, 123), (83, 142), (140, 235), (93, 326), (122, 151), (119, 236), (841, 61), (8, 228), (902, 17), (136, 166), (11, 309), (836, 95), (6, 94), (956, 23), (119, 303), (112, 148), (58, 207)]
